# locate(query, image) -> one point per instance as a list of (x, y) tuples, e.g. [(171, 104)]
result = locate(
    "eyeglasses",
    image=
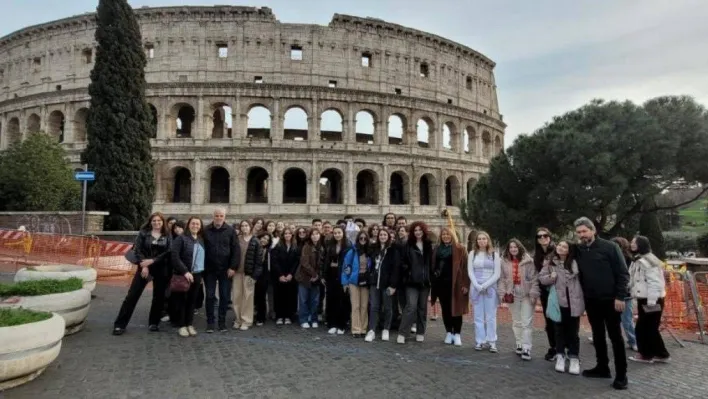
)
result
[(539, 236)]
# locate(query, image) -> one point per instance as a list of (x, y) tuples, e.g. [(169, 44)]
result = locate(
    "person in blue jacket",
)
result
[(357, 263)]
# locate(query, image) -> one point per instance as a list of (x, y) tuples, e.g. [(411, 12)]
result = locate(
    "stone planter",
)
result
[(26, 350), (58, 272), (72, 306)]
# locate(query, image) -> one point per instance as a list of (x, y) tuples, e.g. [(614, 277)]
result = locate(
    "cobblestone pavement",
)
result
[(285, 361)]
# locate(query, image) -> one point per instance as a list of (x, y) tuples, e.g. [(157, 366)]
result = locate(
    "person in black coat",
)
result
[(151, 254), (188, 254), (383, 280), (284, 261)]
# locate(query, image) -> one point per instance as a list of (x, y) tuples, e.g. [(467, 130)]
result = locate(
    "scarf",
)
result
[(443, 251)]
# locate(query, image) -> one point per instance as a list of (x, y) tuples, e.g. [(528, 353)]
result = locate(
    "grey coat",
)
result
[(564, 279)]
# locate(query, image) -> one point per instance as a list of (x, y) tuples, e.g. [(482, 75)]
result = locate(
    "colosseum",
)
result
[(290, 121)]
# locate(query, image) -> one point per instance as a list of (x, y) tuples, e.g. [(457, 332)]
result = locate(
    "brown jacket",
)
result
[(528, 275), (564, 279), (310, 265), (460, 280)]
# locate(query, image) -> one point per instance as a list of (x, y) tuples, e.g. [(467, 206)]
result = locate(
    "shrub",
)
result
[(680, 241), (702, 242), (41, 287), (16, 317)]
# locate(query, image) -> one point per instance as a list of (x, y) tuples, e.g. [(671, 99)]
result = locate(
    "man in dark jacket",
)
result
[(222, 256), (604, 278)]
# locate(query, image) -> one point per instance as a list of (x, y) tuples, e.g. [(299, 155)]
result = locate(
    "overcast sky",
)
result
[(551, 55)]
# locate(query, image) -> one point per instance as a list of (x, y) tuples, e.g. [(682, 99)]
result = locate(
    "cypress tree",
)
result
[(650, 227), (119, 121)]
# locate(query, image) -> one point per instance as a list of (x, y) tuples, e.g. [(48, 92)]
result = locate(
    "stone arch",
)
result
[(452, 191), (449, 136), (181, 185), (396, 129), (399, 188), (14, 135), (33, 123), (80, 125), (222, 120), (153, 114), (367, 187), (219, 185), (425, 129), (331, 186), (295, 123), (257, 185), (260, 122), (365, 126), (427, 190), (486, 144), (470, 186), (182, 117), (56, 125), (498, 147), (294, 186), (331, 125)]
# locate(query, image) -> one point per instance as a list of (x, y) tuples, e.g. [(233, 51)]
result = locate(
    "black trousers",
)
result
[(320, 305), (336, 310), (285, 298), (453, 324), (186, 301), (260, 296), (649, 339), (603, 316), (567, 340), (200, 296), (550, 324), (137, 286)]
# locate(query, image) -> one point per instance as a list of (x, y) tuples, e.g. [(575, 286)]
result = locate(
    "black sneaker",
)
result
[(526, 355), (620, 383), (210, 328), (597, 372), (550, 355), (118, 331), (153, 328), (222, 327)]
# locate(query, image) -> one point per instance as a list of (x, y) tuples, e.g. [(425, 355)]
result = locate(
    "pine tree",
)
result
[(119, 121), (649, 226)]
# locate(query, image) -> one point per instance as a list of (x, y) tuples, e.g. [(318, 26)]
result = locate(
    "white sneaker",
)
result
[(414, 329), (236, 326), (165, 319), (574, 367), (288, 322), (457, 340), (384, 335), (183, 332), (560, 363), (370, 336), (305, 325), (192, 331), (279, 322), (401, 339), (419, 338), (332, 331), (340, 332), (315, 325), (244, 327), (448, 339), (493, 347)]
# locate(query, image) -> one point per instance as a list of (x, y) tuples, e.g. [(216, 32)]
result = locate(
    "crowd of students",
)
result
[(381, 278)]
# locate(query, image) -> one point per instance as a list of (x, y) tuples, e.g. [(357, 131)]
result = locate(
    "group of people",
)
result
[(375, 278)]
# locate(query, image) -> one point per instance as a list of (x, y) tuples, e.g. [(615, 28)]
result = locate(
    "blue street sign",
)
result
[(85, 176)]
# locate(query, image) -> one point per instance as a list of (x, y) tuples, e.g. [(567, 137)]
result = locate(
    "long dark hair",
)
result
[(293, 238), (362, 249), (522, 250), (643, 245), (568, 263), (539, 255), (624, 246), (411, 233), (200, 233), (148, 225)]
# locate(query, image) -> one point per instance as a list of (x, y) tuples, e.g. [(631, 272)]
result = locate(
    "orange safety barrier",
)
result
[(683, 312), (23, 247)]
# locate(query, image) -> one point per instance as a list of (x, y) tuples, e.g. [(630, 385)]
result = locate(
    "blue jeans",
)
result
[(627, 323), (308, 298), (210, 281)]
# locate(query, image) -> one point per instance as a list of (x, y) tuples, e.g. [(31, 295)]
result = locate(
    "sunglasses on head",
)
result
[(543, 235)]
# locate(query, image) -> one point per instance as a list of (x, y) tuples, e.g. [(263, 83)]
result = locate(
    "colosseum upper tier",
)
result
[(292, 121)]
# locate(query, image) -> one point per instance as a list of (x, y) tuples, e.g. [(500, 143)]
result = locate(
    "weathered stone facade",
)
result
[(206, 61)]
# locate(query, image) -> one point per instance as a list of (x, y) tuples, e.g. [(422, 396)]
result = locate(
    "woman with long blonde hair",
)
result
[(484, 269)]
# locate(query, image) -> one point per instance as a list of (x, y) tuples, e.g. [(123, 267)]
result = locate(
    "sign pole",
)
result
[(83, 207)]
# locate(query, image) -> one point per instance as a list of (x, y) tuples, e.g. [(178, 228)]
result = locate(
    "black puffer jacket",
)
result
[(416, 264), (253, 266), (147, 247)]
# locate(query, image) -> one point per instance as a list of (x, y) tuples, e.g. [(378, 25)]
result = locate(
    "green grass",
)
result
[(694, 217), (16, 317), (40, 287)]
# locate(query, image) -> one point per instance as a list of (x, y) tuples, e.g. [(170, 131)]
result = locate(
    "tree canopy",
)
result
[(35, 176), (119, 121), (605, 160)]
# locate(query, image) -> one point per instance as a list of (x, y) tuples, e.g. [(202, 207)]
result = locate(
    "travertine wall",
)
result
[(201, 59)]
